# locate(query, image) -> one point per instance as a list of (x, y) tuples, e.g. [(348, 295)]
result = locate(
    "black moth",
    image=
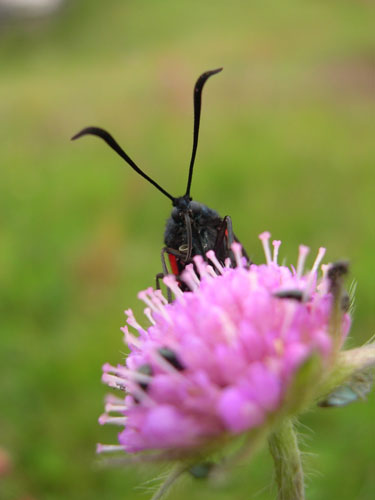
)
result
[(193, 228)]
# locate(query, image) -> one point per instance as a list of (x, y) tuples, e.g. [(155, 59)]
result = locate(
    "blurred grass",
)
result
[(287, 144)]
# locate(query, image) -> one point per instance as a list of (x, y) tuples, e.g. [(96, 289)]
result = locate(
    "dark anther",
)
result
[(290, 294), (171, 357), (338, 269), (335, 275), (145, 369), (345, 302)]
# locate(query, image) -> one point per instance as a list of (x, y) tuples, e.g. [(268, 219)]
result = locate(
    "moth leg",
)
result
[(179, 265), (224, 241), (159, 277), (163, 263), (232, 237), (176, 253), (165, 272)]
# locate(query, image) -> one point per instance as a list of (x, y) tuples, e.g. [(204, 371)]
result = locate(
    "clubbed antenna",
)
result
[(99, 132), (197, 116)]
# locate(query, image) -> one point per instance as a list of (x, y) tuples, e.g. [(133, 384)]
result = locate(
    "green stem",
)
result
[(287, 459)]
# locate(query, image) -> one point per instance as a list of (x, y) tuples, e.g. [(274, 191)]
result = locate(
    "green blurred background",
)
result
[(286, 144)]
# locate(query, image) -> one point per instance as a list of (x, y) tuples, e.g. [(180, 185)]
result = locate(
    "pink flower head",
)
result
[(219, 360)]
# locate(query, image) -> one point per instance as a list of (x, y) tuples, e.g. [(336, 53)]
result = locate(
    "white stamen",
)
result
[(130, 339), (129, 385), (212, 256), (318, 260), (201, 267), (107, 367), (160, 296), (324, 284), (127, 374), (148, 314), (108, 448), (237, 252), (113, 381), (112, 399), (109, 407), (211, 271), (265, 239), (131, 321), (108, 419), (143, 296), (155, 298), (190, 278), (171, 282), (313, 271), (136, 376), (276, 245), (324, 268), (302, 254)]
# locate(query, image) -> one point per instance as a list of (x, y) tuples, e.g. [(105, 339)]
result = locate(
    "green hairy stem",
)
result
[(287, 460)]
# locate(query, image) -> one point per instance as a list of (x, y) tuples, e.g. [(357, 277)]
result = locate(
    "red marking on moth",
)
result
[(173, 263)]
